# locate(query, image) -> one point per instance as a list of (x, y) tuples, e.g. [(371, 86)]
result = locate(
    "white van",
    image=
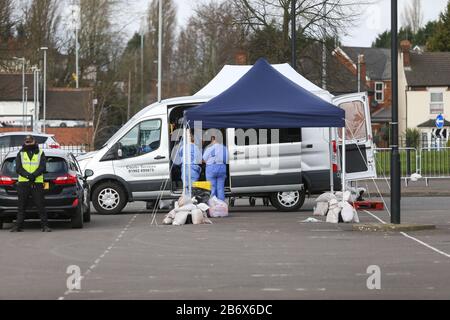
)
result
[(135, 165)]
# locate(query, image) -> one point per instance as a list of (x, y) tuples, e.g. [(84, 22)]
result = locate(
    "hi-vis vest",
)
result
[(31, 165)]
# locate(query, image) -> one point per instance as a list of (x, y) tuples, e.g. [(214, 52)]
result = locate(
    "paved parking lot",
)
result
[(257, 253)]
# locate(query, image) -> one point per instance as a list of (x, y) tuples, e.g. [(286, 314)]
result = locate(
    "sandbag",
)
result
[(183, 200), (197, 216), (203, 206), (180, 218), (348, 212), (333, 211), (326, 197), (217, 208), (187, 207), (167, 220), (321, 209)]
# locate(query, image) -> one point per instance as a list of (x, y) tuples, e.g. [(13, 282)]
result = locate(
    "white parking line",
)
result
[(426, 245), (412, 238), (98, 260)]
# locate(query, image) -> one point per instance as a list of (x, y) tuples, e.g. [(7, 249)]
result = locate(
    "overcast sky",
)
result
[(375, 20)]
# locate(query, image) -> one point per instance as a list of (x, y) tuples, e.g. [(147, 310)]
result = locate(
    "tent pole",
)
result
[(343, 162), (330, 139), (184, 160), (189, 147)]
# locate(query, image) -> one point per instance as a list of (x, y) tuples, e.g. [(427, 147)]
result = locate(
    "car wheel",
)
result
[(1, 224), (77, 217), (288, 201), (109, 198)]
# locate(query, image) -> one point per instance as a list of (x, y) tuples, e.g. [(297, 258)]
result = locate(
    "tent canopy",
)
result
[(230, 74), (264, 98)]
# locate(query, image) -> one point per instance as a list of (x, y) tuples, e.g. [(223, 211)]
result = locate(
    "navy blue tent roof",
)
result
[(264, 98)]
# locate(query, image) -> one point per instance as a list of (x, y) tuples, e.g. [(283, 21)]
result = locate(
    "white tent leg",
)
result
[(330, 139), (189, 150), (343, 163), (184, 160)]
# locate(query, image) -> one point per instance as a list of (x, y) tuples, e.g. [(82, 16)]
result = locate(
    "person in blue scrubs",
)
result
[(216, 157), (196, 160)]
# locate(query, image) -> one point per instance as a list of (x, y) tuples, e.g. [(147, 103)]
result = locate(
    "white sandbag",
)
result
[(203, 206), (197, 216), (321, 209), (171, 214), (167, 220), (218, 208), (180, 218), (348, 212), (326, 197), (183, 200), (333, 211), (187, 207)]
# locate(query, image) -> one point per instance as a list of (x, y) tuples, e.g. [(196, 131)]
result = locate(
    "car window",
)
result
[(142, 139), (17, 141), (55, 165), (41, 140), (5, 142)]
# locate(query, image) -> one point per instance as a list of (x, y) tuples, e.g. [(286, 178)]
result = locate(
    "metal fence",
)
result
[(429, 162)]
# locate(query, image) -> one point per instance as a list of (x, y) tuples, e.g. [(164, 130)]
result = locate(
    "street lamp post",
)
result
[(23, 80), (395, 157), (44, 115), (34, 93), (293, 35), (160, 32), (25, 113)]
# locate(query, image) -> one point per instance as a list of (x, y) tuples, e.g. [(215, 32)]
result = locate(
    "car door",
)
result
[(143, 158), (264, 160), (360, 161)]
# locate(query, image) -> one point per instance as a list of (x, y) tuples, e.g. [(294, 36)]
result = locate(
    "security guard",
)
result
[(30, 166)]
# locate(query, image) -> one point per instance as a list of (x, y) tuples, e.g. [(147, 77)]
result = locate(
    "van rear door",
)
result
[(360, 161)]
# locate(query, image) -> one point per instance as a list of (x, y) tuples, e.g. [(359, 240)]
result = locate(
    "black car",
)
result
[(66, 189)]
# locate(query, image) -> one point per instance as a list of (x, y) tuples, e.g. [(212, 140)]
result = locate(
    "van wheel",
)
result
[(109, 198), (77, 217), (288, 201)]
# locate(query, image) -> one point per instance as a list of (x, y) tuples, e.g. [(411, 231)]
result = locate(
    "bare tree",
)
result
[(6, 21), (41, 22), (412, 15), (210, 40), (311, 16)]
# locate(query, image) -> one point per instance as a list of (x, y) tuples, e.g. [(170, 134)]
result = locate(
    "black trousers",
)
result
[(36, 191)]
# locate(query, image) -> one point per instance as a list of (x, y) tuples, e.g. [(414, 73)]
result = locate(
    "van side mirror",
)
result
[(119, 153), (88, 173)]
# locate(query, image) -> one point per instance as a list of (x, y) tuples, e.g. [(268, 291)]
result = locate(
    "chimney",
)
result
[(405, 45), (241, 57), (363, 68)]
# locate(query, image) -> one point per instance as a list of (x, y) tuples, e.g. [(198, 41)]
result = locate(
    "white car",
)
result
[(11, 141)]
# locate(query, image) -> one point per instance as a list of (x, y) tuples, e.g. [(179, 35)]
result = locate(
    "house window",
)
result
[(379, 91), (436, 102)]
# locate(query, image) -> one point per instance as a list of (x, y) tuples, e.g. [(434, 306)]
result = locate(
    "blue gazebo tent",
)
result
[(265, 99)]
